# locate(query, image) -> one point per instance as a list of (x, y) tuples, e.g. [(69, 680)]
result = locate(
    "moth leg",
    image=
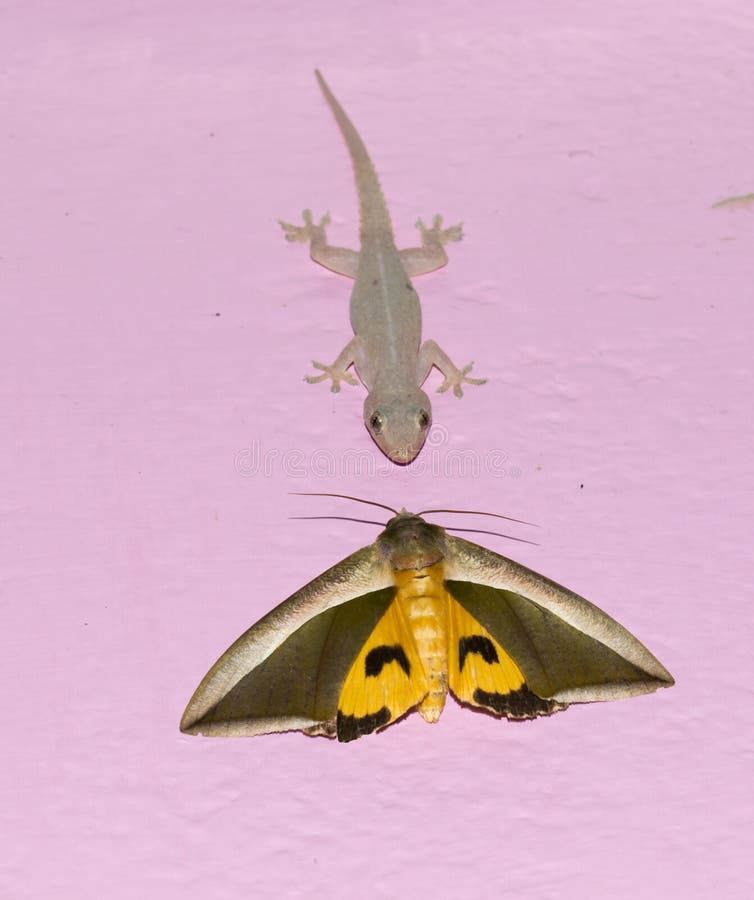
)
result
[(431, 354), (351, 355), (336, 259), (431, 255)]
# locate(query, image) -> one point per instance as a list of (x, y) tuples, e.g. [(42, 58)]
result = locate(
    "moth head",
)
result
[(399, 423), (409, 542)]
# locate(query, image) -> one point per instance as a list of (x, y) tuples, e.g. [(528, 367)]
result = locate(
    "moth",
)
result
[(401, 622)]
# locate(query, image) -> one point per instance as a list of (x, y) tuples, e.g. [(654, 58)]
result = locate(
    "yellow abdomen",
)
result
[(424, 603)]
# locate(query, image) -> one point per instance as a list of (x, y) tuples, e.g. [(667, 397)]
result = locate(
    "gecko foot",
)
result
[(308, 231), (456, 377), (334, 372), (437, 235)]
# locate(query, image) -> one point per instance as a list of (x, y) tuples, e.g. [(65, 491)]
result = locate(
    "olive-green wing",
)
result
[(567, 650), (286, 672)]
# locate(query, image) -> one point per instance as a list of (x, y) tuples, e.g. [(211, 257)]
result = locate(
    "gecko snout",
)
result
[(399, 425)]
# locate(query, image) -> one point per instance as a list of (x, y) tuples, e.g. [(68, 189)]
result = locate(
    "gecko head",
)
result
[(398, 423)]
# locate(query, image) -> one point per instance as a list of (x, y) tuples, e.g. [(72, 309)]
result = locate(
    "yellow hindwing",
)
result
[(477, 661), (481, 673), (386, 679)]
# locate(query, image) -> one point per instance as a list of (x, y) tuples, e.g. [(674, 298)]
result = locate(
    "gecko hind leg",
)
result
[(431, 255), (308, 231), (336, 259)]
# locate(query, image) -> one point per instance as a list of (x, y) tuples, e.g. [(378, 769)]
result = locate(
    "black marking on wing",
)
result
[(351, 727), (520, 704), (382, 655), (476, 643)]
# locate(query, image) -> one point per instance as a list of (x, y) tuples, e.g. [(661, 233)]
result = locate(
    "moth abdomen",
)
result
[(424, 600)]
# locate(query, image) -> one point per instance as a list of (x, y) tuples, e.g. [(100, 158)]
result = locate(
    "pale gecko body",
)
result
[(386, 349)]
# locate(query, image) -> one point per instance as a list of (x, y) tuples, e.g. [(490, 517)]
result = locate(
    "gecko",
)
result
[(386, 350)]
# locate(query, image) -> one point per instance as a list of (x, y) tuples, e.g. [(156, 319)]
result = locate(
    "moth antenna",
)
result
[(339, 518), (476, 512), (496, 533), (344, 497)]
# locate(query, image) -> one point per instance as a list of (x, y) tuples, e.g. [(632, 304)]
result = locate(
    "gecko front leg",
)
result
[(431, 354), (336, 259), (431, 255), (351, 354)]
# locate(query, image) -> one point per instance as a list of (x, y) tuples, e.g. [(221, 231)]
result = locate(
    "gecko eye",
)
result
[(423, 420), (377, 422)]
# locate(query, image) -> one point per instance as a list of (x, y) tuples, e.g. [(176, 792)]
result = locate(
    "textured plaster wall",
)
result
[(155, 331)]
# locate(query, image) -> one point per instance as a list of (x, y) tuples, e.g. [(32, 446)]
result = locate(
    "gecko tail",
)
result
[(372, 206)]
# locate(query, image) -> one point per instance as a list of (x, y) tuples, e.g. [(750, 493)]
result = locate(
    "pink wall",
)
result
[(147, 151)]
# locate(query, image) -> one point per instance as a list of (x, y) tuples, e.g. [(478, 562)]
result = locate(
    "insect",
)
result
[(386, 349), (398, 624)]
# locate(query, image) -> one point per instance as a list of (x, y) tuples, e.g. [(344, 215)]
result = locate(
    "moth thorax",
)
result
[(423, 599)]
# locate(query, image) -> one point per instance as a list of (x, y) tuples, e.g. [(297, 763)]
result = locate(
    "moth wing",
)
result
[(385, 681), (287, 671), (482, 673), (553, 647)]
